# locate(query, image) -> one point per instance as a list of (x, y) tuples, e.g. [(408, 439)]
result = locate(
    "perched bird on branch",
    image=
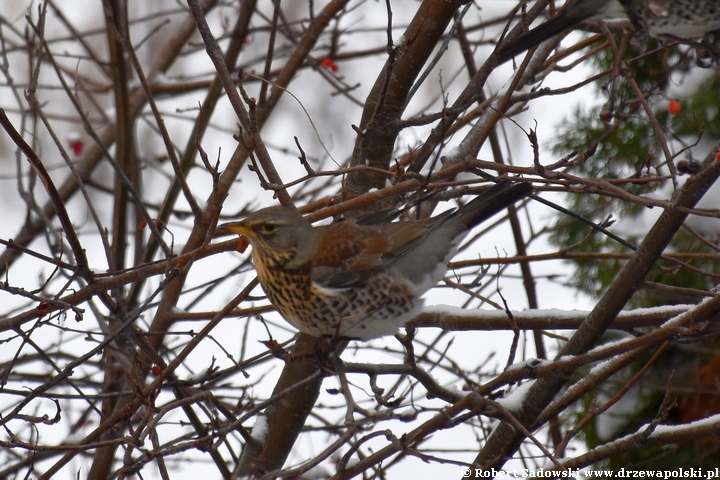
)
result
[(664, 19), (359, 281)]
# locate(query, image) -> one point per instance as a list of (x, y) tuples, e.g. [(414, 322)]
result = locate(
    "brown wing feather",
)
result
[(406, 234), (346, 245), (349, 254)]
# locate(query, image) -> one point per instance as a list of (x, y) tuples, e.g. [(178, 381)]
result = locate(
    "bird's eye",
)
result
[(268, 227)]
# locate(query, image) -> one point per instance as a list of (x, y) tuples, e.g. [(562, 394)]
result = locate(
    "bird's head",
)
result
[(280, 236)]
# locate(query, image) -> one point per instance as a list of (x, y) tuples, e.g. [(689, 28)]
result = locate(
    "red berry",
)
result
[(141, 225), (156, 370), (689, 167), (77, 148), (674, 107), (329, 64), (43, 307), (242, 244), (76, 143)]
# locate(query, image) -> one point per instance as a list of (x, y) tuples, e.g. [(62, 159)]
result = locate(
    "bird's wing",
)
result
[(423, 263), (349, 255)]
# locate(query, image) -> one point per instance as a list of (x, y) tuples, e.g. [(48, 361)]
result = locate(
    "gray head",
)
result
[(280, 237)]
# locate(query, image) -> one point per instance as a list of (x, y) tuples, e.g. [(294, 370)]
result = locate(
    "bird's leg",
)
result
[(327, 349), (707, 49), (707, 52), (345, 387), (330, 348)]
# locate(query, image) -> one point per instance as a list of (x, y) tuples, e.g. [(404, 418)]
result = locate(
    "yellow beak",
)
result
[(233, 227)]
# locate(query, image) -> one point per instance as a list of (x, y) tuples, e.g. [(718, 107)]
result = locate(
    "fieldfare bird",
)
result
[(359, 281), (664, 19)]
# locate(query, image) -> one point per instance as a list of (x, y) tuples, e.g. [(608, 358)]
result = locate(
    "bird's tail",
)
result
[(491, 201)]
